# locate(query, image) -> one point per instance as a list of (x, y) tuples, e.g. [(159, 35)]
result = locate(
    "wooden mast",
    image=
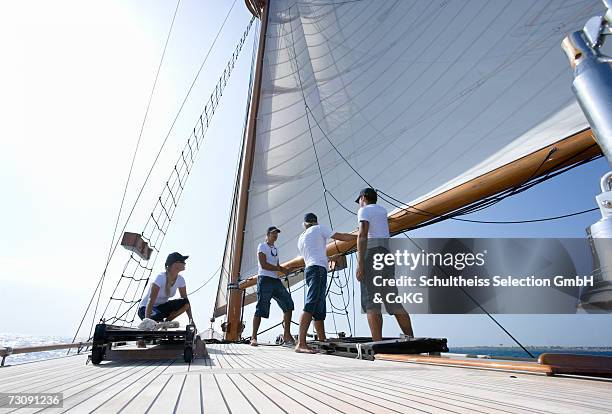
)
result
[(234, 301), (568, 151)]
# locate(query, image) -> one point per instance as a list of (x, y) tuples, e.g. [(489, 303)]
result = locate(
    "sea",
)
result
[(18, 340)]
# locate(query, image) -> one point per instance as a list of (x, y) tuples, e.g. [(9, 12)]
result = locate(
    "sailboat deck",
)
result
[(274, 379)]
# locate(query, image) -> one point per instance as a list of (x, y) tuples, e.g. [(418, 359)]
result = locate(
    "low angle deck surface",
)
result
[(274, 379)]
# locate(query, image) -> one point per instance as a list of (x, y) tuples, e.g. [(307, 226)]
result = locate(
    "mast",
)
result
[(234, 301)]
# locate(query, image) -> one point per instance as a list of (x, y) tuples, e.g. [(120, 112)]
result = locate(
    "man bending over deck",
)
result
[(270, 286), (371, 239), (312, 244)]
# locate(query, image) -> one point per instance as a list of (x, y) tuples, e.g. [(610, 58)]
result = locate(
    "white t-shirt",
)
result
[(160, 280), (271, 257), (312, 243), (376, 216)]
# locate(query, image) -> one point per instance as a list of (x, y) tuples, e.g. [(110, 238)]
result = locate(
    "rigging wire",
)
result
[(175, 119), (206, 282), (308, 113), (161, 61), (325, 191), (214, 102)]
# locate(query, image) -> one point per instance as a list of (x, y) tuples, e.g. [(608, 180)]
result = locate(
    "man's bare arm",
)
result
[(344, 237), (267, 266), (362, 242)]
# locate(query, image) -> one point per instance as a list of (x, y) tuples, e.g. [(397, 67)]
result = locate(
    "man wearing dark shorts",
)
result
[(371, 236), (270, 286), (312, 244)]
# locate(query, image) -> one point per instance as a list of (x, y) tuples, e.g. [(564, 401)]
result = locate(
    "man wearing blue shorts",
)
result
[(270, 286), (312, 245)]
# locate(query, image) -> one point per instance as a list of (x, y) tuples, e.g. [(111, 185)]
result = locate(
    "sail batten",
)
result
[(415, 98)]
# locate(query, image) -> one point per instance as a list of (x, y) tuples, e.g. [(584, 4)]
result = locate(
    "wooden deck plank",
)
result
[(261, 401), (416, 397), (147, 396), (366, 398), (101, 394), (523, 398), (71, 389), (190, 400), (398, 388), (330, 397), (272, 379), (168, 398), (10, 375), (282, 400), (298, 394), (233, 396), (212, 397), (74, 400), (116, 403)]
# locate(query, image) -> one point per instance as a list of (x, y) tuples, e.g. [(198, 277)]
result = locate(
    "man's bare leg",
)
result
[(320, 329), (403, 320), (304, 325), (287, 325), (375, 321), (256, 323)]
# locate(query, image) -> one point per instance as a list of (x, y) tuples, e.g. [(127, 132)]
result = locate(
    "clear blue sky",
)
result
[(75, 83)]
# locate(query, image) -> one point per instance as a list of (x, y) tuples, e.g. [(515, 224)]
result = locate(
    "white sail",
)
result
[(416, 96)]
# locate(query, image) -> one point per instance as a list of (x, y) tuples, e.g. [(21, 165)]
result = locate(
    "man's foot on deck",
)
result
[(254, 342), (141, 344), (305, 350), (289, 340)]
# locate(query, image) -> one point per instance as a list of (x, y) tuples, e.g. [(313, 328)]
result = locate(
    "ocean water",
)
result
[(536, 351), (17, 340)]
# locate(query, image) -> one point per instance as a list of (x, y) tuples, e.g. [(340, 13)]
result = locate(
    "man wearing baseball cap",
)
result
[(371, 239), (270, 286), (312, 244)]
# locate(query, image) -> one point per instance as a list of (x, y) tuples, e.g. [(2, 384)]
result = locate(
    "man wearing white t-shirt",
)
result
[(270, 286), (312, 244), (371, 239)]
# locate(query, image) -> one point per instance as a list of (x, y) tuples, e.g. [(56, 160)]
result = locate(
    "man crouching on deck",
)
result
[(312, 245), (270, 286)]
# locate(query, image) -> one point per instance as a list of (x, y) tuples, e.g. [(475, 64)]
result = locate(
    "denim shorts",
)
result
[(316, 280), (163, 310), (268, 288)]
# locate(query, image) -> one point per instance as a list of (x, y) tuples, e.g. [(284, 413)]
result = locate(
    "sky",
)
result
[(75, 81)]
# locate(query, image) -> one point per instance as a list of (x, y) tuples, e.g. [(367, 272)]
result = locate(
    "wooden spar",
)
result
[(469, 363), (571, 150), (234, 300)]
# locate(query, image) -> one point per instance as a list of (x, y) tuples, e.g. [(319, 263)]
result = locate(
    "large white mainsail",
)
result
[(417, 96)]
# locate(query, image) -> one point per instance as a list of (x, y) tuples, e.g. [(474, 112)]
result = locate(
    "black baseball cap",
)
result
[(310, 218), (369, 193), (273, 228), (175, 257)]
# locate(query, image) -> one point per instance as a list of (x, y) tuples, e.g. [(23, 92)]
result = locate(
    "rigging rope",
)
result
[(155, 229), (325, 190), (101, 282)]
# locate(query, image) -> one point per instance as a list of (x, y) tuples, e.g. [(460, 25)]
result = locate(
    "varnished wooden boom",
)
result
[(569, 151)]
